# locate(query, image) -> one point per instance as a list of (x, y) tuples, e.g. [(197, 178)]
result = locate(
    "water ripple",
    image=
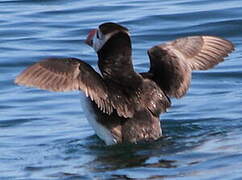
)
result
[(45, 135)]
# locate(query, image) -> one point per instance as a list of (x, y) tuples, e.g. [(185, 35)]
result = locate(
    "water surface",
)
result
[(45, 135)]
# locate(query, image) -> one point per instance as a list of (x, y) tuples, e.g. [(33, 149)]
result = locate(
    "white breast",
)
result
[(101, 131)]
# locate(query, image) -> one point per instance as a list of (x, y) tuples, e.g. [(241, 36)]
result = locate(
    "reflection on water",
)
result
[(45, 135)]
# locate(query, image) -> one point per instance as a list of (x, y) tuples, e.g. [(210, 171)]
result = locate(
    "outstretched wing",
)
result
[(171, 63), (67, 74)]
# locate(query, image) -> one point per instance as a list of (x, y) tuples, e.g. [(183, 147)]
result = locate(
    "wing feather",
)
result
[(68, 74), (173, 62)]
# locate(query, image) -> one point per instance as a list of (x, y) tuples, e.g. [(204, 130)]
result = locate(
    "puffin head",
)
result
[(98, 37)]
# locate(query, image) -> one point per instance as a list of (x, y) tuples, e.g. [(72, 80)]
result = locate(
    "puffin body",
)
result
[(124, 105)]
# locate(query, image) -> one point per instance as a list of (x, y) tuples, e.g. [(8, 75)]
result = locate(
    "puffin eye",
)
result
[(98, 35)]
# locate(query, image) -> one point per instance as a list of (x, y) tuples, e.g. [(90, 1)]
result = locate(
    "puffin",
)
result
[(122, 105)]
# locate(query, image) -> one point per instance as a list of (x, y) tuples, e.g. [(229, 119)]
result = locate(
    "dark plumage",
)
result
[(127, 104)]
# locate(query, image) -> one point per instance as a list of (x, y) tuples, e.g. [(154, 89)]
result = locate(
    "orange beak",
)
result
[(89, 40)]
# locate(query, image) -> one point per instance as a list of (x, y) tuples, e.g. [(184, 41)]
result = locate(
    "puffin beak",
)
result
[(89, 40)]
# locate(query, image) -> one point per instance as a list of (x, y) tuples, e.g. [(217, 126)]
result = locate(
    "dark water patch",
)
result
[(39, 168), (30, 2), (220, 75), (15, 122), (69, 176)]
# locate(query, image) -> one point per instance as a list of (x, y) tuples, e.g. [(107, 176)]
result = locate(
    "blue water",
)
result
[(45, 135)]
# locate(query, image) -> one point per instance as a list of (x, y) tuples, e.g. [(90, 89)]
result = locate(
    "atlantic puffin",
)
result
[(123, 105)]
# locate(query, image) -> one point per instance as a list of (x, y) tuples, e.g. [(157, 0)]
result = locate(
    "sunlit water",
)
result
[(45, 135)]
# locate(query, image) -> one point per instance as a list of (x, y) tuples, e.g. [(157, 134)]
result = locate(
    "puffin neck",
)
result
[(114, 59)]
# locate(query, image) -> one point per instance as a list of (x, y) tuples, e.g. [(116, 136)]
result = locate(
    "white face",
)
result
[(99, 39)]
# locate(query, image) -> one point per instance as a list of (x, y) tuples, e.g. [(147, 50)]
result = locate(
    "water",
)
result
[(45, 135)]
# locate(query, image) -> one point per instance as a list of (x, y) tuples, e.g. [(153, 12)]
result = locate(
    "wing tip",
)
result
[(230, 44), (18, 80)]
